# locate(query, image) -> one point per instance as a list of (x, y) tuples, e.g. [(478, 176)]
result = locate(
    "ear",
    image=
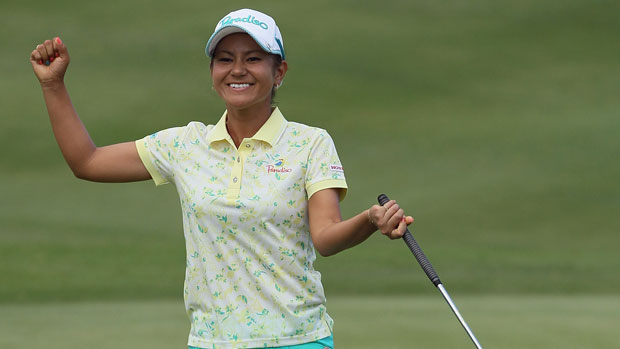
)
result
[(281, 72)]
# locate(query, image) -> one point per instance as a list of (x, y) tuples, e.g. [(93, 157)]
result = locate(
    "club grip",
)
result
[(416, 250)]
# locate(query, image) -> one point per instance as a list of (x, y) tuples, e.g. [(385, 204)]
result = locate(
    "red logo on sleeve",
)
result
[(336, 168)]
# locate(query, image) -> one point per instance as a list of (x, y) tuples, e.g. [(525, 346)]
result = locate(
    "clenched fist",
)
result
[(49, 61)]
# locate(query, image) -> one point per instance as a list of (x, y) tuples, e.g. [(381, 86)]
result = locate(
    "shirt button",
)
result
[(247, 145), (238, 159), (235, 179)]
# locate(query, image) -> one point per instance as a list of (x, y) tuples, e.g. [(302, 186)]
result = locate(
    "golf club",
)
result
[(432, 275)]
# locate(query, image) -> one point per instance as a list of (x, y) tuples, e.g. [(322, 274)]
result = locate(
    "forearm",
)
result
[(114, 163), (342, 235), (71, 135), (330, 234)]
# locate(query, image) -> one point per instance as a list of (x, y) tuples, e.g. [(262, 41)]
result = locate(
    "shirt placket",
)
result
[(236, 174)]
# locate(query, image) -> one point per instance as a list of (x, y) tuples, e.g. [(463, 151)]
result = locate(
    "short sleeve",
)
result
[(324, 167), (158, 153)]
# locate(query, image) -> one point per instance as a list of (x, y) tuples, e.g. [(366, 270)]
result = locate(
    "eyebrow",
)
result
[(231, 53)]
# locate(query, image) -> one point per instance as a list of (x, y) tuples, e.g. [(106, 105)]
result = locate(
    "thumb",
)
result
[(61, 48)]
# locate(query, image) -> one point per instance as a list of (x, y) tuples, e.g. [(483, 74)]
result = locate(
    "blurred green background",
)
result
[(495, 124)]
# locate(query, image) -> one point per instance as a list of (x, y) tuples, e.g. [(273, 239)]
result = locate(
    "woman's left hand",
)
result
[(390, 219)]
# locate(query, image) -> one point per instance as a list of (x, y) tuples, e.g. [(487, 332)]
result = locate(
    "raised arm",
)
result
[(113, 163), (330, 234)]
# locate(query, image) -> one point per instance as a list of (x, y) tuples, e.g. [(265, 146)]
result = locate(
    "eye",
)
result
[(224, 59), (254, 59)]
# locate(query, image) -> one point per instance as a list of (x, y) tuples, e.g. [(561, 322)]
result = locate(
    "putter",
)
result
[(432, 275)]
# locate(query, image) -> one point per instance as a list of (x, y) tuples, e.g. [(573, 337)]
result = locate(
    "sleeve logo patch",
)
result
[(336, 168)]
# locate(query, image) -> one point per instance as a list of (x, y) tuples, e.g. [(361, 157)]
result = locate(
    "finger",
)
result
[(395, 217), (60, 47), (408, 220), (391, 210), (49, 48), (55, 45), (388, 227), (35, 57), (388, 222), (380, 216), (389, 204), (400, 231), (393, 235), (55, 53), (43, 52)]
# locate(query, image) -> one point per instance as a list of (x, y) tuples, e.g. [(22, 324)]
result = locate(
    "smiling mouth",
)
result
[(239, 86)]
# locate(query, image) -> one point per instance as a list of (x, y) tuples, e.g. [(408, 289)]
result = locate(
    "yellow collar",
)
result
[(269, 132)]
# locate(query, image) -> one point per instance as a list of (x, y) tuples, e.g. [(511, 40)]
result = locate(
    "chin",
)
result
[(234, 103)]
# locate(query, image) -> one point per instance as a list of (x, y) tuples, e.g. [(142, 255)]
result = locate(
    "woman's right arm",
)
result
[(113, 163)]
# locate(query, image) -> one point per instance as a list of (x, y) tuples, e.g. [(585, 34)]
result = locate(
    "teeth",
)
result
[(239, 85)]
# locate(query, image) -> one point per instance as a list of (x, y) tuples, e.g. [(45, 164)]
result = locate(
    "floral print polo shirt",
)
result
[(249, 279)]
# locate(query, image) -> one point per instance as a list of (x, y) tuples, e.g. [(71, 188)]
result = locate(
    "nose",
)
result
[(238, 67)]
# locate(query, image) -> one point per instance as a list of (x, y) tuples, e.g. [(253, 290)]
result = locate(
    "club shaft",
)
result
[(432, 275), (456, 312)]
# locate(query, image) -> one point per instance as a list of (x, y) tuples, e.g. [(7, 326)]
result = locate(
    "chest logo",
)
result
[(278, 167)]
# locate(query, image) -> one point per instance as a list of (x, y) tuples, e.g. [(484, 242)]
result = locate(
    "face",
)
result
[(243, 74)]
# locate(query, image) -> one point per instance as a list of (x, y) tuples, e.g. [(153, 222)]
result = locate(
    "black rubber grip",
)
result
[(416, 250)]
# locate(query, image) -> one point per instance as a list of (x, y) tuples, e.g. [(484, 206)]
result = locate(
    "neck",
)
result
[(244, 123)]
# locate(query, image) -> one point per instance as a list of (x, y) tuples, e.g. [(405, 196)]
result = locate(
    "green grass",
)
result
[(360, 322), (494, 124)]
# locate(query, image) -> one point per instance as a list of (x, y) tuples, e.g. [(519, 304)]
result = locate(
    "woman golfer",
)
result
[(258, 193)]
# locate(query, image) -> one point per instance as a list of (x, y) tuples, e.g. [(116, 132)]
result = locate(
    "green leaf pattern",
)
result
[(250, 280)]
